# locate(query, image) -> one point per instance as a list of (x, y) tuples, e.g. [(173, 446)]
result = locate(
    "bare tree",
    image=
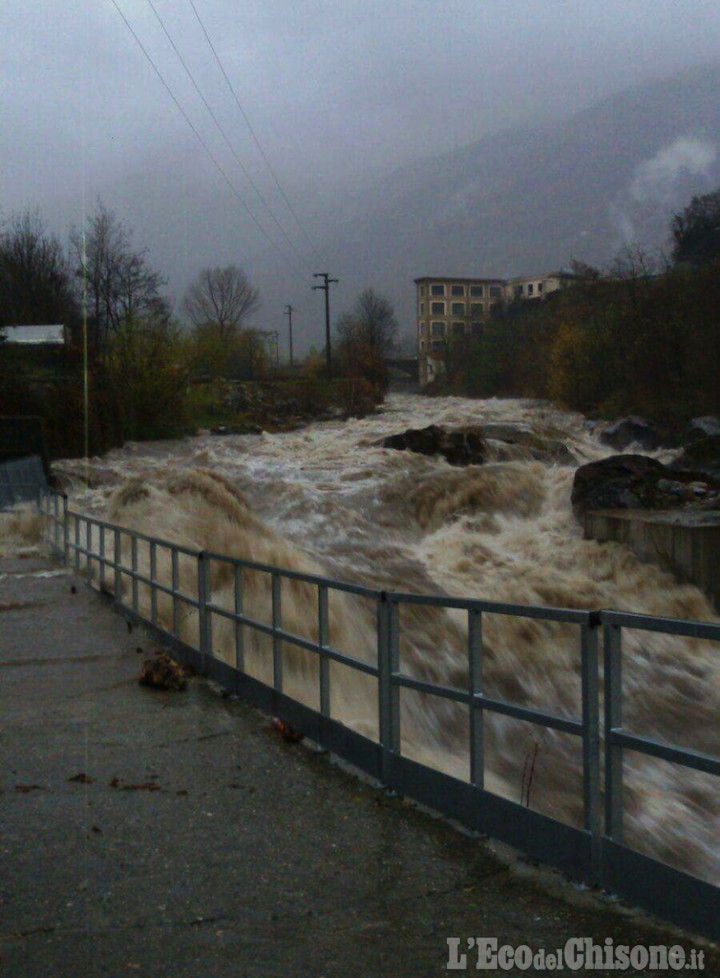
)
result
[(120, 284), (35, 282), (367, 336), (223, 297), (370, 324)]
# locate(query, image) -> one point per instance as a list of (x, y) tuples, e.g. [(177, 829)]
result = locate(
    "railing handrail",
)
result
[(386, 669)]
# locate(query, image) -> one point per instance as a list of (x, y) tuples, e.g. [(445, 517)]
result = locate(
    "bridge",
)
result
[(403, 370)]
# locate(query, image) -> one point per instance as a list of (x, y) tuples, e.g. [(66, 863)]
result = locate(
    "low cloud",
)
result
[(656, 179)]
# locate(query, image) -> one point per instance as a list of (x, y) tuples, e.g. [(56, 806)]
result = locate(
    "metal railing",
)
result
[(126, 563)]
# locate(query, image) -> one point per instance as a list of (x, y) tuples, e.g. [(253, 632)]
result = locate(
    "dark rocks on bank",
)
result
[(542, 447), (640, 482), (477, 444), (460, 446), (701, 456), (634, 431), (618, 482), (699, 428)]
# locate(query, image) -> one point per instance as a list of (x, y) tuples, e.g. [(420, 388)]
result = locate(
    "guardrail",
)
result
[(141, 572)]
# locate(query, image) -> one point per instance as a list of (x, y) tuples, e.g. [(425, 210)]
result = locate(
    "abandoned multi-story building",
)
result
[(449, 309)]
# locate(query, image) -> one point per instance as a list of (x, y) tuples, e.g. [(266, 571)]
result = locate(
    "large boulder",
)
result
[(633, 431), (618, 482), (459, 446), (698, 428), (525, 442), (701, 456)]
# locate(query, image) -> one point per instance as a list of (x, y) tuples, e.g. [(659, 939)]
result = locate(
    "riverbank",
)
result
[(176, 833)]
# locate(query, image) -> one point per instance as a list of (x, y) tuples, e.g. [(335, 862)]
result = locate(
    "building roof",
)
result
[(467, 278), (52, 333)]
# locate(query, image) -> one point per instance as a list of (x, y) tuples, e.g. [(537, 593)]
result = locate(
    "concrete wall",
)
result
[(21, 437), (686, 543), (20, 480)]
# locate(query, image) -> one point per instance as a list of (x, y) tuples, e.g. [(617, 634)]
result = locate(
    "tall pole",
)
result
[(288, 313), (86, 404), (325, 287)]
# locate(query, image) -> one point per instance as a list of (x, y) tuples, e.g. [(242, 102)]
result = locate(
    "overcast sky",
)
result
[(336, 90)]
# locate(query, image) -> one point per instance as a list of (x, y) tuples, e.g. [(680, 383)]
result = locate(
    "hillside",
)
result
[(529, 200), (519, 201)]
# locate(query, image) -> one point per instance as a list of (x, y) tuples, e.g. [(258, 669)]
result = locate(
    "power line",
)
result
[(223, 134), (252, 131), (202, 142)]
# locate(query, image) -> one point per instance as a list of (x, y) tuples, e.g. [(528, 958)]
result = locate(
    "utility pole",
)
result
[(326, 289), (288, 313)]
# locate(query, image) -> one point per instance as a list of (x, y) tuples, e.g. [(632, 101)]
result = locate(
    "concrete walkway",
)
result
[(158, 833)]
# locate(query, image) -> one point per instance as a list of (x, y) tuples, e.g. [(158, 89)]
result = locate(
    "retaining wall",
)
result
[(686, 543)]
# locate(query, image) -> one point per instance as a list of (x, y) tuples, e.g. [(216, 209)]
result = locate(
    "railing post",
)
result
[(276, 640), (65, 528), (239, 627), (88, 549), (613, 722), (117, 565), (153, 582), (323, 642), (101, 567), (76, 558), (591, 740), (204, 588), (175, 589), (389, 693), (134, 569), (477, 716)]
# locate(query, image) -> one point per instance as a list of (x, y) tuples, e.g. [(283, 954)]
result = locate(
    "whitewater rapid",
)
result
[(330, 499)]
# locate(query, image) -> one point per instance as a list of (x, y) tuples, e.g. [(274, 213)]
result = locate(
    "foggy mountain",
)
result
[(522, 201), (527, 201)]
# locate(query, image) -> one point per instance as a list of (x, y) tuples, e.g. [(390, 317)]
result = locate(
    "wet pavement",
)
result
[(176, 833)]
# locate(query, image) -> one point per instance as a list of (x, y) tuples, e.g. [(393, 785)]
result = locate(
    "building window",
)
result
[(495, 292), (530, 288), (476, 291), (422, 308), (457, 290), (477, 309), (458, 329), (476, 329), (437, 345), (437, 308), (438, 329), (493, 306), (458, 308), (540, 286), (437, 290)]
